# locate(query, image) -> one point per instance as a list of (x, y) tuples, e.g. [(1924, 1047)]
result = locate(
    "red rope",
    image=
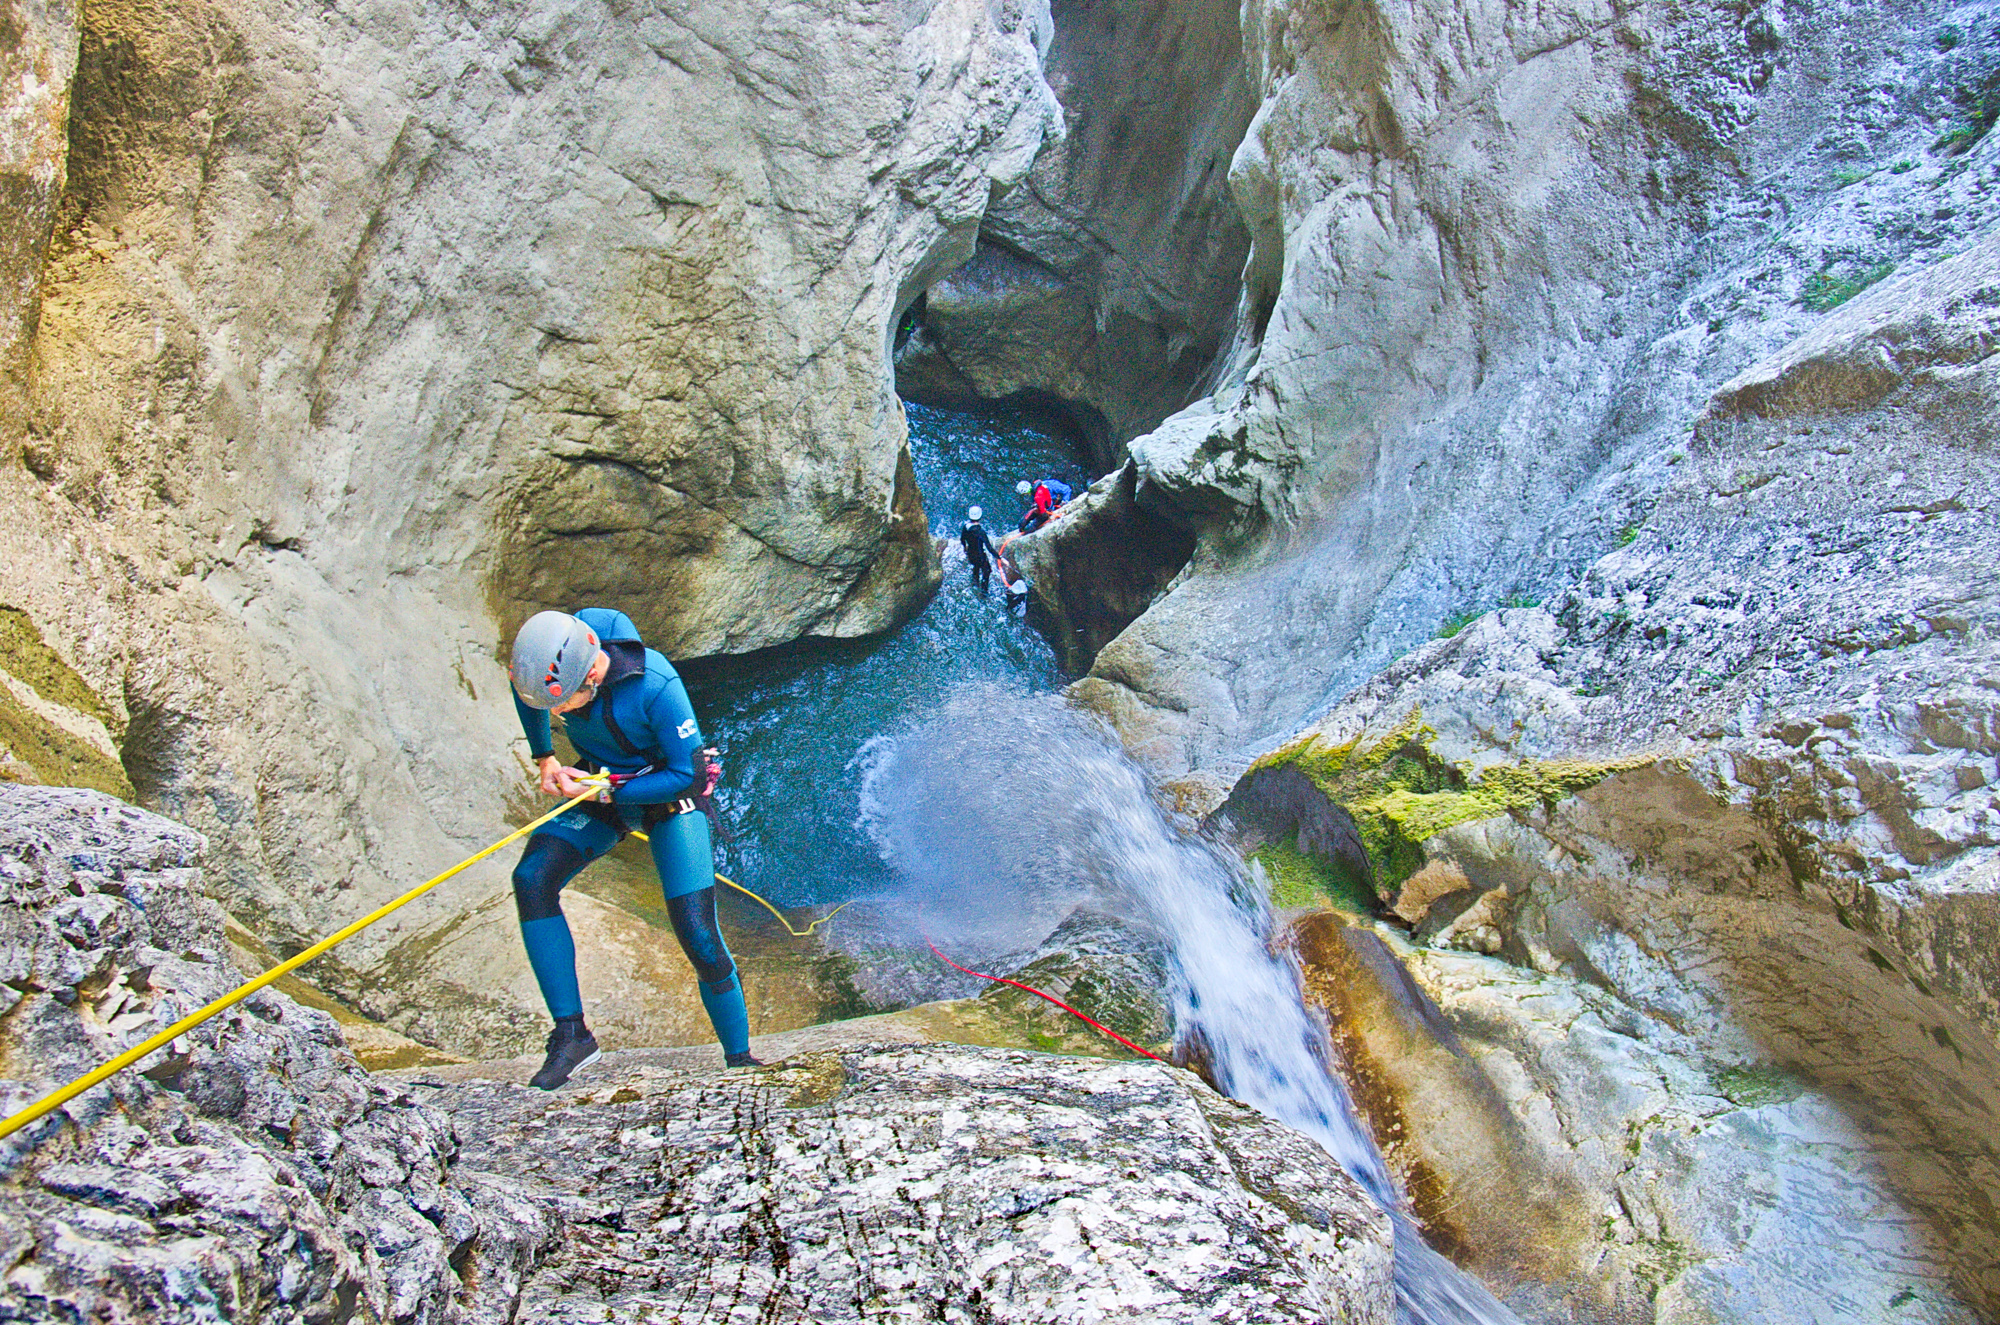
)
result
[(1003, 980)]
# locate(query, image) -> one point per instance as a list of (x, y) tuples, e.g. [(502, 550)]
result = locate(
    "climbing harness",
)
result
[(1050, 998), (57, 1098)]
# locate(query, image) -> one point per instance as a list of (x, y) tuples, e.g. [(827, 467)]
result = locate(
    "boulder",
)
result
[(1100, 564), (970, 1183)]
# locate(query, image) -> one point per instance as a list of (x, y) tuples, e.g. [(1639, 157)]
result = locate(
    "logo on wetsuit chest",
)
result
[(685, 730)]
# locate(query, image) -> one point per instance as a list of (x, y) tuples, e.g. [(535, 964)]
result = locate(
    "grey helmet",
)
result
[(973, 513), (553, 653)]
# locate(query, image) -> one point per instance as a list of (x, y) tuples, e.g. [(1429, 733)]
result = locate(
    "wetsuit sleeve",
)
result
[(677, 736), (535, 726)]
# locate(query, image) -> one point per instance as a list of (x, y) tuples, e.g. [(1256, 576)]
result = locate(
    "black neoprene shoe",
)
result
[(571, 1046), (744, 1059)]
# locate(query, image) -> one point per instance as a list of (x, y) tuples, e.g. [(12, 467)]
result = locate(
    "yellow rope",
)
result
[(56, 1099), (805, 933), (795, 933)]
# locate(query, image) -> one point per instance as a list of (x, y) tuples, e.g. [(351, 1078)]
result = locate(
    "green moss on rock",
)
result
[(1301, 879), (1400, 793), (56, 757), (1755, 1086), (29, 659), (32, 747)]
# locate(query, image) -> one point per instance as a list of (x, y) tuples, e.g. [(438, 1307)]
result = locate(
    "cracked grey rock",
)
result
[(965, 1183), (249, 1166), (252, 1167)]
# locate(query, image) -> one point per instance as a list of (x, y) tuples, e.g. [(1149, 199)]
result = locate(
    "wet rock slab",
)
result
[(930, 1181)]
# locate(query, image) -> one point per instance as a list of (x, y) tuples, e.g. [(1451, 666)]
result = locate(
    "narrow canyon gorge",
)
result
[(1509, 717)]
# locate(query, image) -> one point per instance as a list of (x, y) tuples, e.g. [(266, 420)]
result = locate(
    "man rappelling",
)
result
[(627, 713)]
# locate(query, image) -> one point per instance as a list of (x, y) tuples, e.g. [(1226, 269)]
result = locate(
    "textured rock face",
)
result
[(1109, 277), (1740, 780), (963, 1183), (1501, 262), (37, 58), (366, 333), (255, 1170)]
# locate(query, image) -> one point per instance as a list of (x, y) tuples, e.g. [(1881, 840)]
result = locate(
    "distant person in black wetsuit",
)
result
[(979, 549), (1017, 598)]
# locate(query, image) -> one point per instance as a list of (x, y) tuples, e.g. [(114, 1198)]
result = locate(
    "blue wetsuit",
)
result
[(640, 720)]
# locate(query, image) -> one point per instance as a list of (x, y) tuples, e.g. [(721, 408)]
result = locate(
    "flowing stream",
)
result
[(936, 776)]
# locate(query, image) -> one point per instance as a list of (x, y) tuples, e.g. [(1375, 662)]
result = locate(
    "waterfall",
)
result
[(1003, 810)]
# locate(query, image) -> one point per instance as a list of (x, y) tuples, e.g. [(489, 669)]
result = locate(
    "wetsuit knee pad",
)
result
[(693, 916), (547, 864)]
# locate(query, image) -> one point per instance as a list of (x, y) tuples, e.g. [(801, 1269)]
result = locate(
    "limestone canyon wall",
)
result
[(1503, 256), (1667, 333), (357, 333), (1108, 280)]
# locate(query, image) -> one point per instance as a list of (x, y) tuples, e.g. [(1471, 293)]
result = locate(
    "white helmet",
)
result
[(553, 653), (1024, 487), (972, 512)]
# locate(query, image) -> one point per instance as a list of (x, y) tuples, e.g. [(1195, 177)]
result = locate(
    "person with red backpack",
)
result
[(1048, 494)]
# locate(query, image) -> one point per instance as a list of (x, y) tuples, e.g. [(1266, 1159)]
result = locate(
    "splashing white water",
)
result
[(1004, 811)]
